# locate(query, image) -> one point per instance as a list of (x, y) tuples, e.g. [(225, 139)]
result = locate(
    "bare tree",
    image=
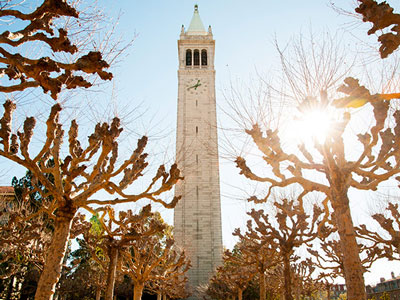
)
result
[(382, 17), (168, 278), (236, 277), (78, 176), (217, 288), (39, 26), (22, 243), (329, 257), (110, 236), (82, 268), (24, 240), (376, 162), (256, 252), (141, 260), (293, 229), (363, 173), (304, 284), (391, 226)]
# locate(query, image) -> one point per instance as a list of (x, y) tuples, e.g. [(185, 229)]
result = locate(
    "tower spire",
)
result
[(196, 26)]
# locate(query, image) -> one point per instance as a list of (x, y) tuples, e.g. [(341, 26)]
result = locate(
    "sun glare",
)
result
[(314, 125)]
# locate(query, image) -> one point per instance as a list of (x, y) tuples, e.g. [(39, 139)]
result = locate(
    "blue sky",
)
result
[(244, 32)]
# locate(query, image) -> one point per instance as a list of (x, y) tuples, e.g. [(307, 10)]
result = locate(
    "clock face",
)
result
[(195, 86)]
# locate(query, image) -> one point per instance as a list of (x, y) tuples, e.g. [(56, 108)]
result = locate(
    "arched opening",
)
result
[(188, 57), (204, 57), (196, 57)]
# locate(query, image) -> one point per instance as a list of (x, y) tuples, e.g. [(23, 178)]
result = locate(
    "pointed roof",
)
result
[(196, 26)]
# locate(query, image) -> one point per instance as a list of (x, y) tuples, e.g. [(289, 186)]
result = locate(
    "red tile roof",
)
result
[(6, 190)]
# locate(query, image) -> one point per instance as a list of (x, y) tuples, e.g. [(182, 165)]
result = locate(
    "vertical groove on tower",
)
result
[(197, 217)]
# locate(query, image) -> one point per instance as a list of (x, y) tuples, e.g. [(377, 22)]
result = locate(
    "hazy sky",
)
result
[(244, 32)]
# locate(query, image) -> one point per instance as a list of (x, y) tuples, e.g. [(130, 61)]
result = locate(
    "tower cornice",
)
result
[(196, 42)]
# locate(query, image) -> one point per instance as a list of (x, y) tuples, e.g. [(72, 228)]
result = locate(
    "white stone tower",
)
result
[(197, 217)]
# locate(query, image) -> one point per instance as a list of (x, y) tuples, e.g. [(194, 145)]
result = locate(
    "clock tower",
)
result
[(197, 217)]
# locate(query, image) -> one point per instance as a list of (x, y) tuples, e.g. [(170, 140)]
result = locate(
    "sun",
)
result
[(310, 126)]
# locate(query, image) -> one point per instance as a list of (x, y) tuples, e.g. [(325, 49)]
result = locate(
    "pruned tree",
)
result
[(236, 277), (39, 27), (78, 176), (83, 268), (144, 255), (173, 288), (178, 289), (389, 241), (304, 284), (329, 258), (255, 252), (22, 243), (241, 275), (382, 17), (110, 236), (168, 278), (287, 231), (377, 162), (385, 25), (217, 288)]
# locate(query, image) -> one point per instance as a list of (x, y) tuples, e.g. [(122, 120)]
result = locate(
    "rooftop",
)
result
[(6, 190)]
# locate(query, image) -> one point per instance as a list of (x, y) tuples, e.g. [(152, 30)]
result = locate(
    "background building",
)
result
[(6, 198), (390, 286)]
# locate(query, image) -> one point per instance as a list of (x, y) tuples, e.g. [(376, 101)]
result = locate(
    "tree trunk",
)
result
[(98, 293), (112, 267), (328, 289), (164, 296), (55, 255), (10, 288), (263, 292), (240, 294), (138, 291), (353, 271), (159, 296), (287, 277)]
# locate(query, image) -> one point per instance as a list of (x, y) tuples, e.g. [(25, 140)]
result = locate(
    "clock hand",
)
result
[(195, 86)]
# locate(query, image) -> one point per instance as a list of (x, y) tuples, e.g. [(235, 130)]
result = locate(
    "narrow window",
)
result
[(204, 57), (188, 57), (197, 159), (196, 57), (197, 129), (197, 103), (197, 192)]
